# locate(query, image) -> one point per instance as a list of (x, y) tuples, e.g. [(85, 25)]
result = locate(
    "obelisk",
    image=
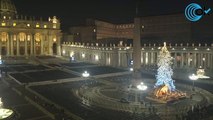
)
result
[(137, 51)]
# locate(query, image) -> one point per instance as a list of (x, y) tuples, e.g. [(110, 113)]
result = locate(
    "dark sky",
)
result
[(74, 12)]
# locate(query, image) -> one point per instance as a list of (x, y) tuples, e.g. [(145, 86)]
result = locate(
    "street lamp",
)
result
[(85, 74), (193, 77), (141, 86)]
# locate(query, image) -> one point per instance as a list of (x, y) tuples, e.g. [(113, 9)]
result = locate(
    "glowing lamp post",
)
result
[(131, 69), (193, 77), (142, 86), (85, 74)]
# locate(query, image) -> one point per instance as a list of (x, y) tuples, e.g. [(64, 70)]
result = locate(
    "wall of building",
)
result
[(83, 33), (174, 28), (165, 28)]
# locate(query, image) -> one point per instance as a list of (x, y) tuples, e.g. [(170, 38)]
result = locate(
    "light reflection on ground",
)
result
[(4, 113)]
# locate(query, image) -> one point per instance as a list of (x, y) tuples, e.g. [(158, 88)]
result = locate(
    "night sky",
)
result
[(74, 12)]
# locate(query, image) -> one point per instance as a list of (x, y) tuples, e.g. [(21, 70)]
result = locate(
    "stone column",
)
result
[(175, 59), (108, 58), (182, 60), (31, 46), (148, 58), (11, 45), (188, 59), (194, 60), (8, 47), (0, 46), (17, 47), (104, 58), (42, 46), (152, 58), (142, 58), (115, 59), (123, 58), (199, 60), (25, 47), (119, 58), (209, 60), (50, 45), (34, 45), (58, 46)]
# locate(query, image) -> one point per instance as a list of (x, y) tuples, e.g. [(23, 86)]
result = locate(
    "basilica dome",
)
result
[(7, 7)]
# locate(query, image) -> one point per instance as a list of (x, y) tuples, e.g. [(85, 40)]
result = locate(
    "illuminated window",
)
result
[(83, 55), (14, 24), (3, 24), (37, 37), (28, 37), (96, 58), (54, 39), (45, 26), (94, 30), (4, 36), (4, 17), (22, 36), (54, 25), (54, 19), (71, 54), (28, 25), (37, 25), (14, 37)]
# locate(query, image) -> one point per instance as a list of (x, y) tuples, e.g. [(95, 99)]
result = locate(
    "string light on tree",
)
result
[(165, 72)]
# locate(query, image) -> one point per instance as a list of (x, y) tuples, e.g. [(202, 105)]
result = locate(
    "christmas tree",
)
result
[(164, 72)]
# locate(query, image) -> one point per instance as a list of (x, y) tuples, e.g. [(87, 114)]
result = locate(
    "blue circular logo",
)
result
[(191, 12)]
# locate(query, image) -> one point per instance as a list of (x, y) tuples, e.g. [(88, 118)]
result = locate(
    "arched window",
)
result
[(14, 37), (4, 36), (54, 38), (37, 37), (28, 37), (22, 36)]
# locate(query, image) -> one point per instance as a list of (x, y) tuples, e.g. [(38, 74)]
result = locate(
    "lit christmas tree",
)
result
[(164, 72)]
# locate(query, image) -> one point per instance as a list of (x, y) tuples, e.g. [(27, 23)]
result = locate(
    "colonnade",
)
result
[(120, 56)]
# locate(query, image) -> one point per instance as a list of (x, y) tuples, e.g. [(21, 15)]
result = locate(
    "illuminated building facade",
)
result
[(26, 36), (184, 55)]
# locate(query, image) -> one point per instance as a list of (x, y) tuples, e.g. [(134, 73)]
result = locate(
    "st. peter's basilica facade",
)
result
[(27, 36)]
